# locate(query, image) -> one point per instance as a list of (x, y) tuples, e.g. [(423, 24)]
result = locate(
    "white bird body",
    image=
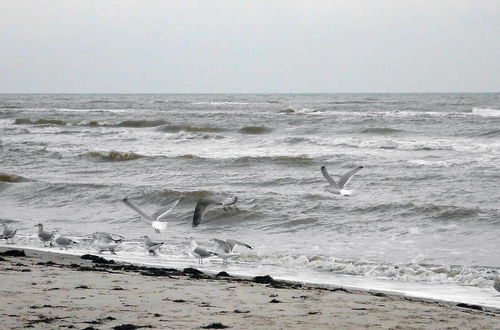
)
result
[(155, 220)]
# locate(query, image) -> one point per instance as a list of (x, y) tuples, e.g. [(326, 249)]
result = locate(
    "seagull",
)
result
[(8, 233), (338, 187), (204, 203), (155, 221), (64, 242), (151, 246), (103, 241), (44, 236), (225, 248), (199, 252), (496, 282)]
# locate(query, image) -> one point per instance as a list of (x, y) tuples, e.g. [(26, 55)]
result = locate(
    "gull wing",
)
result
[(234, 242), (169, 210), (223, 245), (136, 209), (200, 209), (229, 200), (329, 178), (344, 179)]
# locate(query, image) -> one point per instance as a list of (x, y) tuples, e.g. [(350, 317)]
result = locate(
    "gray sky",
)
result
[(249, 46)]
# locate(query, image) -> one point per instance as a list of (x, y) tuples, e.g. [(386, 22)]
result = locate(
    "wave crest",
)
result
[(141, 123), (113, 155), (254, 130), (189, 128)]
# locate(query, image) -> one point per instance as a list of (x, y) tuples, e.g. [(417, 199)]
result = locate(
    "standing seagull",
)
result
[(103, 241), (64, 242), (204, 203), (155, 221), (44, 236), (225, 248), (338, 188), (199, 252), (8, 233), (151, 246)]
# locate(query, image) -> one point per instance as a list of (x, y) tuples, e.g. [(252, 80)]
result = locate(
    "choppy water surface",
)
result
[(424, 210)]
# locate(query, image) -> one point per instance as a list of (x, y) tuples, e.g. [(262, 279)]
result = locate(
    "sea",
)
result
[(423, 219)]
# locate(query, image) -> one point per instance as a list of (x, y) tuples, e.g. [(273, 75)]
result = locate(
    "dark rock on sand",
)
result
[(215, 325), (476, 307), (266, 279), (223, 274), (13, 253), (275, 301), (97, 259), (192, 271)]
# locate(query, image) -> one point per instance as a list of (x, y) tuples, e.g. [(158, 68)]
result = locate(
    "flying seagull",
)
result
[(44, 236), (204, 203), (104, 241), (64, 242), (225, 248), (151, 246), (199, 252), (338, 187), (155, 220), (8, 233)]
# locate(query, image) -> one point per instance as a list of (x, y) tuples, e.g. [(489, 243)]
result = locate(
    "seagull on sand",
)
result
[(338, 187), (151, 246), (8, 233), (64, 242), (44, 236), (225, 248), (204, 203), (155, 220), (104, 241), (199, 252)]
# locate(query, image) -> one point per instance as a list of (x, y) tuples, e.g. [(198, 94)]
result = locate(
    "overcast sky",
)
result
[(249, 46)]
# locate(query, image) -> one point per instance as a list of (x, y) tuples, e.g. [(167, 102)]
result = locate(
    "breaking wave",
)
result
[(486, 112), (382, 130), (189, 128), (141, 123), (254, 130), (113, 155), (27, 121)]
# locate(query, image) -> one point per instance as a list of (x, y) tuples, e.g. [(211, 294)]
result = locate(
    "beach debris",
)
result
[(223, 274), (13, 253), (129, 326), (266, 279), (215, 325), (192, 271), (97, 259), (237, 311), (179, 301), (475, 307), (82, 286), (275, 301)]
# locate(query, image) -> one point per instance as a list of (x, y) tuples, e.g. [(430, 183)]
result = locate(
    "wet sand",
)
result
[(51, 290)]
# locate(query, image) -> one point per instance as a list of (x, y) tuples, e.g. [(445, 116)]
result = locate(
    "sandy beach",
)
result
[(51, 290)]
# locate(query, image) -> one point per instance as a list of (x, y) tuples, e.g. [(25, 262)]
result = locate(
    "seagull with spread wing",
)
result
[(204, 203), (155, 220), (225, 248), (339, 187)]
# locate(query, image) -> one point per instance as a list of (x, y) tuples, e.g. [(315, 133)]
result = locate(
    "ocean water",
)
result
[(423, 218)]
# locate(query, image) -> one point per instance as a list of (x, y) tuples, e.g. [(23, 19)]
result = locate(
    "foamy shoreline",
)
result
[(63, 290)]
